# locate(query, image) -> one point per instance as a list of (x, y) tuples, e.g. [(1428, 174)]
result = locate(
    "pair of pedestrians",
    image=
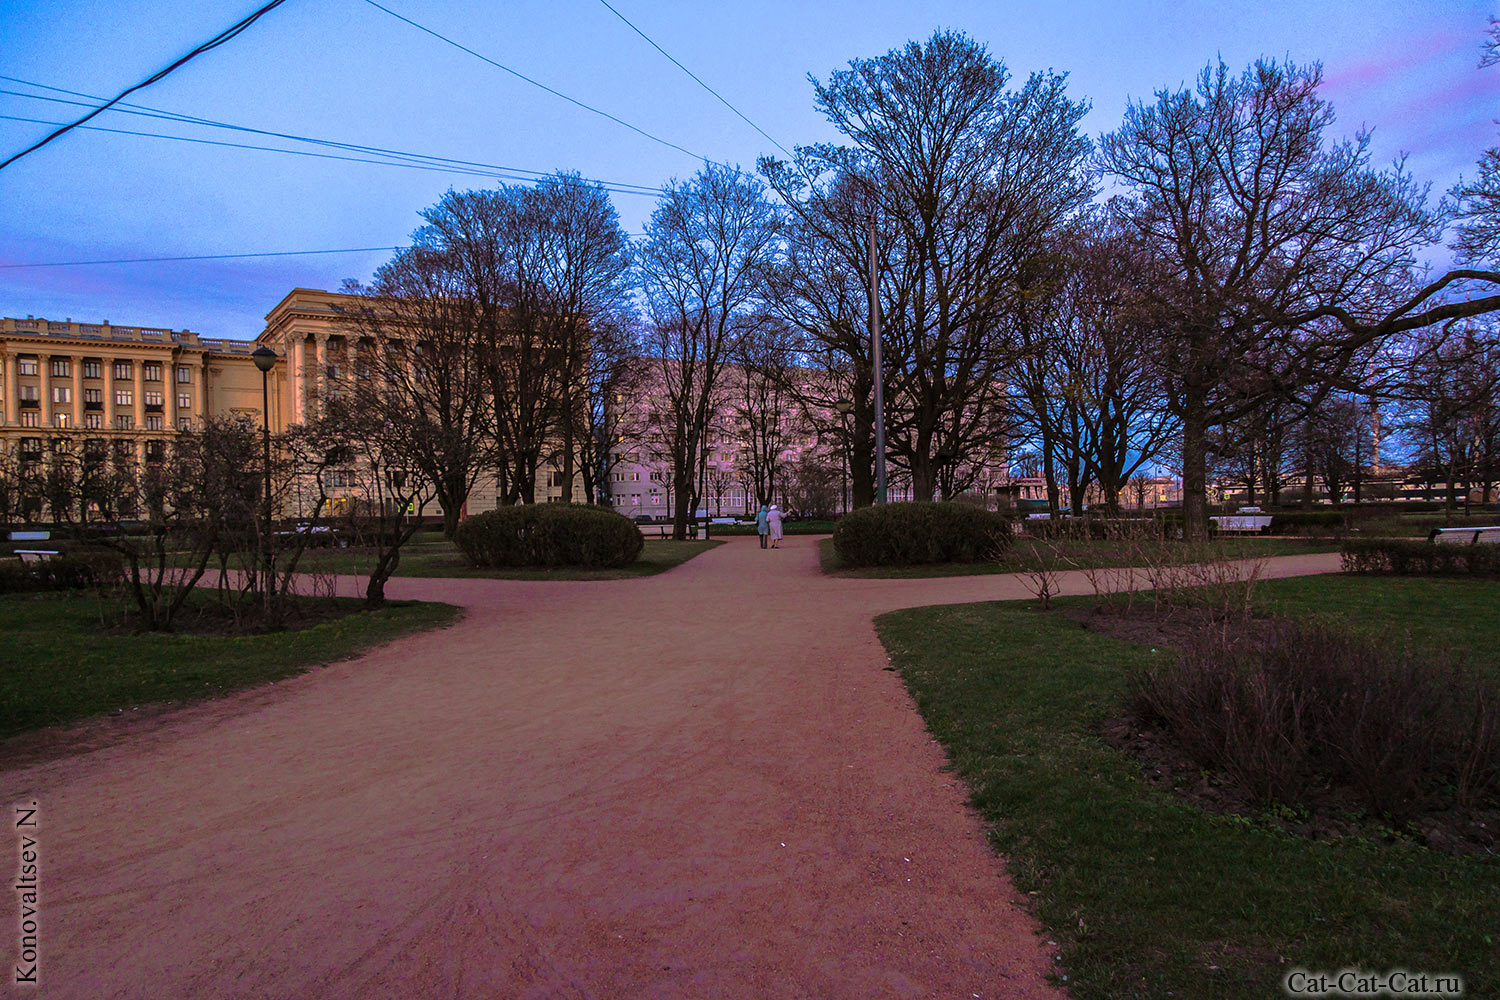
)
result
[(768, 524)]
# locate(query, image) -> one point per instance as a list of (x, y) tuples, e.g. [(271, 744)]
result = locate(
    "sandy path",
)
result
[(701, 784)]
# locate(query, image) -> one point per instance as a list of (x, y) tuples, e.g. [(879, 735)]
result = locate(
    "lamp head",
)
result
[(264, 358)]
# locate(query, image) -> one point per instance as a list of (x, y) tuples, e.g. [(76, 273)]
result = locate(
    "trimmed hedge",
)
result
[(549, 535), (1308, 522), (64, 572), (907, 534), (1412, 557)]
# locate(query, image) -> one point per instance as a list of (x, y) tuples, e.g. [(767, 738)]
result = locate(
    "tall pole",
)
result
[(879, 373)]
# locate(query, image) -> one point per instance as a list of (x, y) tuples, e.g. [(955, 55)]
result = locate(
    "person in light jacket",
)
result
[(762, 525), (773, 521)]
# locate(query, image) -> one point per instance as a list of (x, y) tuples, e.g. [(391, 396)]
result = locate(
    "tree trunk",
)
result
[(1195, 465)]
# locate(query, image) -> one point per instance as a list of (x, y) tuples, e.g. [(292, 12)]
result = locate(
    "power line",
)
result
[(700, 83), (213, 43), (476, 171), (543, 86), (213, 256), (399, 157)]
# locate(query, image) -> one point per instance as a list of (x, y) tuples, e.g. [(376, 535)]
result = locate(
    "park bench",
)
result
[(664, 530), (30, 556), (1253, 524), (30, 536), (1465, 536)]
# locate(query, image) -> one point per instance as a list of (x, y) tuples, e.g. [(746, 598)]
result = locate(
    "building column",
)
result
[(320, 381), (77, 363), (12, 376), (138, 368), (108, 371), (44, 372), (200, 390)]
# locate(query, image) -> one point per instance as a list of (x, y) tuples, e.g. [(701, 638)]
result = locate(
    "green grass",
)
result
[(60, 665), (1150, 897), (1421, 525), (1075, 555), (438, 558)]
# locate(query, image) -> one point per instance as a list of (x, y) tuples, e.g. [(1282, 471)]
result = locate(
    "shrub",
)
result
[(1306, 705), (905, 534), (1414, 557), (1308, 522), (549, 535), (65, 572)]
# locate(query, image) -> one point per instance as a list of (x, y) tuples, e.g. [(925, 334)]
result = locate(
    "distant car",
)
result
[(644, 519), (319, 536)]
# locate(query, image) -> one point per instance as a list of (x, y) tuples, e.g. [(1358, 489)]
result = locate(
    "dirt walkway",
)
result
[(701, 784)]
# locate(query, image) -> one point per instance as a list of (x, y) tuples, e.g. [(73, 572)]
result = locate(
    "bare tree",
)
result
[(702, 266), (1281, 263), (965, 179), (422, 333), (764, 402)]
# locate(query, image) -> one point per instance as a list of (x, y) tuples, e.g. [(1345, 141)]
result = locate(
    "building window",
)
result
[(93, 421), (333, 372), (155, 451), (152, 398), (151, 371), (31, 418), (61, 368), (62, 394), (153, 422), (122, 370), (26, 366), (656, 477), (93, 397), (61, 446), (184, 423), (28, 394), (124, 397), (184, 401), (93, 369), (62, 420), (124, 422), (31, 449), (184, 375)]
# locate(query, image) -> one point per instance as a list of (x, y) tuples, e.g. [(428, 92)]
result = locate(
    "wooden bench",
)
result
[(1465, 536), (29, 556), (1253, 524)]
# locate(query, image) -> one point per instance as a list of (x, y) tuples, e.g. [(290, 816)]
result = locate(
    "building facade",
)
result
[(126, 388)]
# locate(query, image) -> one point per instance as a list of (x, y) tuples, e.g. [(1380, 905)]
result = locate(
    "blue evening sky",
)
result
[(344, 70)]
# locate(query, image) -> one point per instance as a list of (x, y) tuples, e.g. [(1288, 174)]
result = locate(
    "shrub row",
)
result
[(1416, 557), (907, 534), (549, 535), (1308, 705), (1308, 522), (67, 572)]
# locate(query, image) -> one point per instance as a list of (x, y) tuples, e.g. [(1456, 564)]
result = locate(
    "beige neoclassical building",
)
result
[(133, 386)]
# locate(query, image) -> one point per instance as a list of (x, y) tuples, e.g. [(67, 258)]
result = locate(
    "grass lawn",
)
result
[(1150, 897), (1075, 555), (61, 666), (439, 558)]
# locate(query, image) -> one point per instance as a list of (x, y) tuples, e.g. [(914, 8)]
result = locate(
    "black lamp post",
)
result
[(265, 360)]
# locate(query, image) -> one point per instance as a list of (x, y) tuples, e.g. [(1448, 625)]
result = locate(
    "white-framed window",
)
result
[(93, 369), (153, 422), (61, 368), (26, 366), (93, 421), (31, 418), (62, 419), (184, 401), (123, 370), (28, 394), (184, 423), (124, 421), (124, 397), (93, 396), (151, 397), (184, 375), (62, 394), (151, 371)]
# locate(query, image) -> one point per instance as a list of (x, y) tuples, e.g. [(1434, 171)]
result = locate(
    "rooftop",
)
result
[(34, 326)]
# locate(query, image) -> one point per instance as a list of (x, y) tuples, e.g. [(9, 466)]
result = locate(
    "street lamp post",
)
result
[(846, 409), (265, 360)]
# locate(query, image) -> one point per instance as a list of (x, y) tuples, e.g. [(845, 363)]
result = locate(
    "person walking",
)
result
[(762, 525), (773, 521)]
